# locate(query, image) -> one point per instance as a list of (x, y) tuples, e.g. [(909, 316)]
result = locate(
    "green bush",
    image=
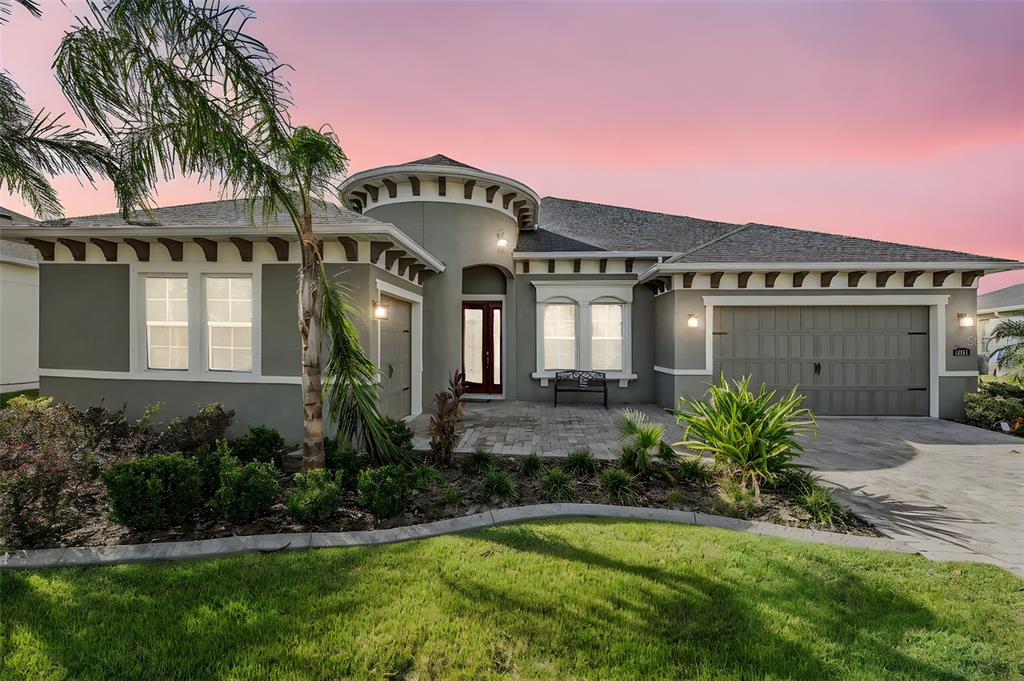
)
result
[(666, 453), (751, 435), (795, 481), (203, 428), (643, 436), (635, 459), (209, 460), (260, 443), (497, 485), (618, 485), (452, 496), (820, 504), (530, 465), (342, 458), (422, 477), (315, 496), (157, 491), (479, 462), (1012, 391), (246, 491), (382, 490), (399, 433), (557, 485), (33, 510), (676, 499), (986, 408), (695, 469), (582, 462)]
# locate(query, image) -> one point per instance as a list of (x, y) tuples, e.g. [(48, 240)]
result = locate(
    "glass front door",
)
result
[(481, 347)]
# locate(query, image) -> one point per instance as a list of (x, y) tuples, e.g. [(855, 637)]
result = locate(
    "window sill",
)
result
[(622, 377)]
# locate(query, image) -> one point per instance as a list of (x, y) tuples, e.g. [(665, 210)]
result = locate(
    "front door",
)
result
[(481, 347)]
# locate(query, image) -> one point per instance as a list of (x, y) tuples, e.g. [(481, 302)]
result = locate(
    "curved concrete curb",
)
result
[(268, 543)]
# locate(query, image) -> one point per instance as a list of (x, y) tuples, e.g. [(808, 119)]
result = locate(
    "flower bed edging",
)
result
[(271, 543)]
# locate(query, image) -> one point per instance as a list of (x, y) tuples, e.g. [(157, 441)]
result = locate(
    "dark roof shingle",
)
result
[(439, 160), (1011, 296)]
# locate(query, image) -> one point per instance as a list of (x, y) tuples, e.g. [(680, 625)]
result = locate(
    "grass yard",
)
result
[(593, 599)]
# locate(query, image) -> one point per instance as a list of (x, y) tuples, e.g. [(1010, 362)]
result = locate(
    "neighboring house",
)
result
[(473, 270), (994, 307), (19, 310)]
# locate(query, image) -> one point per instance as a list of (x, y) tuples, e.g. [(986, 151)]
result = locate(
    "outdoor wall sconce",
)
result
[(381, 311), (502, 241), (692, 321), (965, 319)]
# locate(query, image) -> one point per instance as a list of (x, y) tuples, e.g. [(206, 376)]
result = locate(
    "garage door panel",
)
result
[(873, 360)]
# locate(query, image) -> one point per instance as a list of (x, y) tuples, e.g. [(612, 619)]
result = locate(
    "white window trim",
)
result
[(583, 294), (196, 273), (416, 378)]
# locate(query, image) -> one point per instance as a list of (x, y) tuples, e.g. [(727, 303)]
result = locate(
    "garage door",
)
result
[(848, 360), (396, 358)]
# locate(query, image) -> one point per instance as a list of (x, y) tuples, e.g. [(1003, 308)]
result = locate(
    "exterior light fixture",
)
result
[(381, 311), (692, 321), (965, 319), (502, 241)]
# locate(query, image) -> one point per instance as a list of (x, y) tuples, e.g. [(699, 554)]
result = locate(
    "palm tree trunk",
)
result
[(310, 330)]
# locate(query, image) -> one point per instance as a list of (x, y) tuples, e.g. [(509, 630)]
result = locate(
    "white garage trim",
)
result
[(416, 406)]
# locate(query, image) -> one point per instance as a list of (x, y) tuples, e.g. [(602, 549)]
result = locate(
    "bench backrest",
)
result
[(580, 379)]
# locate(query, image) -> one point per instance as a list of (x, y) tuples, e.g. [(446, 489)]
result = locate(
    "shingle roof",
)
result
[(439, 160), (1011, 296), (567, 225), (613, 228), (224, 214), (9, 218)]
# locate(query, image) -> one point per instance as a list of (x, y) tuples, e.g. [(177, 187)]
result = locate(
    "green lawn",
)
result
[(558, 600)]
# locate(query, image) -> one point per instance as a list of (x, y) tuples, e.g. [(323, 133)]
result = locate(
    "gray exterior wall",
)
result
[(84, 317), (460, 236)]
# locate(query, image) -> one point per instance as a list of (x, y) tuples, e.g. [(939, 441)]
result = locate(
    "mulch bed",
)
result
[(429, 505)]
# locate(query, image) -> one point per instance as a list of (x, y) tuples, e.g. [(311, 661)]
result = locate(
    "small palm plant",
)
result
[(642, 437), (751, 435), (1009, 333)]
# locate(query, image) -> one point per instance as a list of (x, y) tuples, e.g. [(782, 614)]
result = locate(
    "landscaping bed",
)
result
[(91, 478)]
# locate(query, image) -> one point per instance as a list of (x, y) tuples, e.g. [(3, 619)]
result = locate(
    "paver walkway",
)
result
[(953, 492), (524, 427)]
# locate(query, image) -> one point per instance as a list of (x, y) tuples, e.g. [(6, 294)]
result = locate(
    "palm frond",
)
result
[(1009, 335), (31, 5)]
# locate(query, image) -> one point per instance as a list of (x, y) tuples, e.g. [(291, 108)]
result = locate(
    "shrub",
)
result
[(643, 437), (582, 462), (452, 496), (399, 433), (1003, 388), (153, 492), (530, 465), (260, 443), (315, 496), (246, 491), (342, 458), (617, 485), (986, 408), (666, 453), (205, 427), (446, 422), (382, 490), (676, 499), (795, 481), (497, 485), (209, 462), (557, 485), (695, 468), (820, 504), (422, 477), (33, 510), (479, 462), (734, 500), (753, 436)]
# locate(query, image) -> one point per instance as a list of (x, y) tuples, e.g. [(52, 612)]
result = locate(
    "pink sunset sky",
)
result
[(897, 121)]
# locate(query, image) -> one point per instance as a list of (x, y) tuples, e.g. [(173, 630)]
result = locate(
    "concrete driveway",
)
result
[(952, 491)]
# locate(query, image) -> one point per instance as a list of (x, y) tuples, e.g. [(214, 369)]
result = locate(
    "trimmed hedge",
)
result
[(382, 490), (315, 497), (246, 491), (157, 491)]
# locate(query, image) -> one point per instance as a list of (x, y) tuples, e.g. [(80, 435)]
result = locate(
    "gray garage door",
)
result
[(396, 359), (847, 360)]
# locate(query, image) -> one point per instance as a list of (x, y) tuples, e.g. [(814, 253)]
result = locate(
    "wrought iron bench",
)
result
[(581, 382)]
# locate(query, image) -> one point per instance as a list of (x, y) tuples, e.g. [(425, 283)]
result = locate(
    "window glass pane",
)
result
[(166, 322), (473, 344), (229, 323), (559, 336), (606, 337), (496, 331)]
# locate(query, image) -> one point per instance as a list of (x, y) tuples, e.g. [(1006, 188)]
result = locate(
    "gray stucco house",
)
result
[(472, 269)]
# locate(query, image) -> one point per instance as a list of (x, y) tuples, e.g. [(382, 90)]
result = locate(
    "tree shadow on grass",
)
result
[(680, 623)]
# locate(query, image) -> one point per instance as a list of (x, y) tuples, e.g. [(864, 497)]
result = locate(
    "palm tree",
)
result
[(1010, 354), (179, 87), (36, 146)]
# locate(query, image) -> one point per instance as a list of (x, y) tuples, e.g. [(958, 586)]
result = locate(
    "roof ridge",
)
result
[(728, 234), (640, 210)]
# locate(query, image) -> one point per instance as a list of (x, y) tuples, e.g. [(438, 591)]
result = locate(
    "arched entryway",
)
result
[(484, 347)]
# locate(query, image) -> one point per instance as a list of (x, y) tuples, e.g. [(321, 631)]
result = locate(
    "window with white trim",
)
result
[(559, 336), (167, 323), (229, 323), (606, 336)]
